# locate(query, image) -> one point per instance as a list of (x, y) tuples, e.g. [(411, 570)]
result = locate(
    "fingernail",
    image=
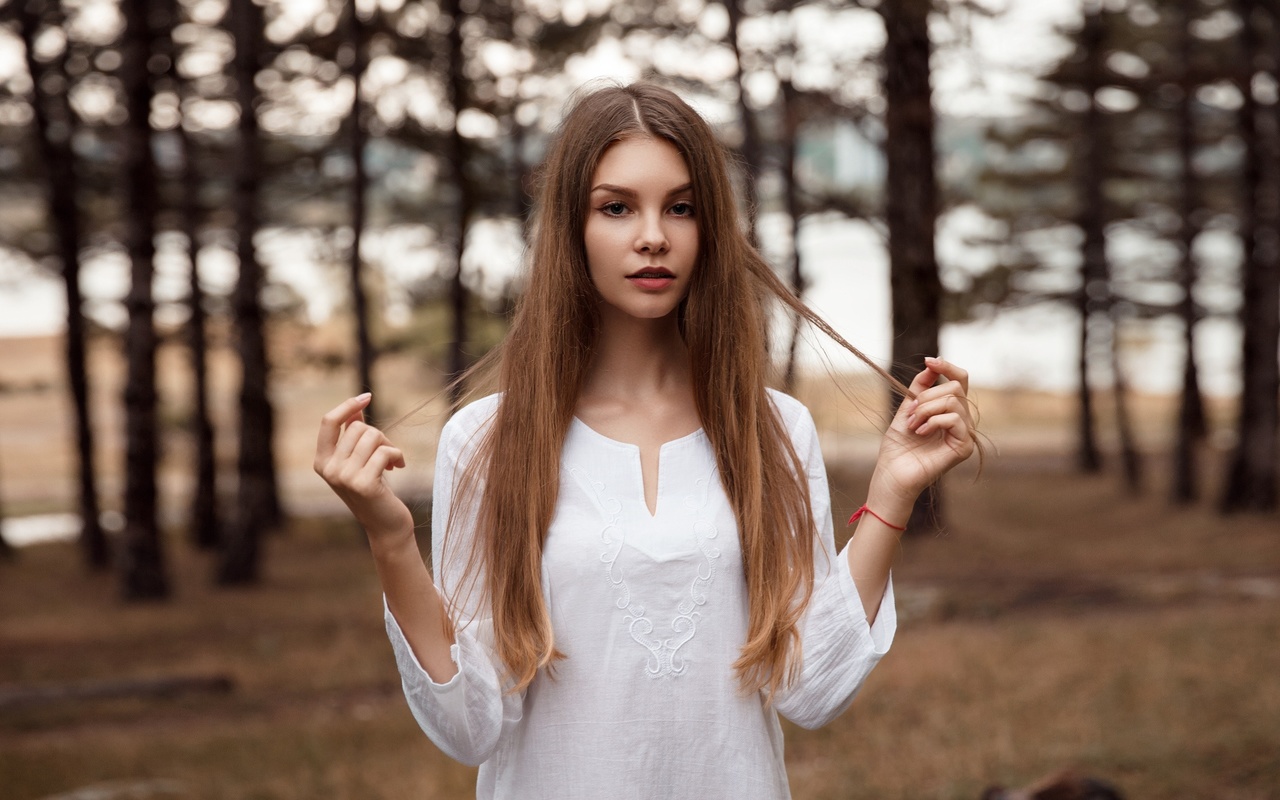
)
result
[(364, 396), (911, 420)]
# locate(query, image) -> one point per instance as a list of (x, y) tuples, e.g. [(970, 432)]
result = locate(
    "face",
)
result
[(641, 234)]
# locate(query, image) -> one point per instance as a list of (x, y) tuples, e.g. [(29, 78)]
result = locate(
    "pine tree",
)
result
[(55, 125), (141, 558)]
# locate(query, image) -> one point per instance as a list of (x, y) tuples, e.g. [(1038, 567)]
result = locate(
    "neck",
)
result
[(635, 358)]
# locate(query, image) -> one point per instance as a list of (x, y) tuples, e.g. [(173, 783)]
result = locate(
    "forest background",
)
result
[(1095, 223)]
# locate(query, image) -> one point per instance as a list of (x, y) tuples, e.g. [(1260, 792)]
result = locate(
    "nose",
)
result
[(652, 237)]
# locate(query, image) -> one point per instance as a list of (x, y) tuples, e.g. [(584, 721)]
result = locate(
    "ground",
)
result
[(1056, 623)]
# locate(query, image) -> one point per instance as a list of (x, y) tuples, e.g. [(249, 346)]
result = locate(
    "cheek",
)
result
[(689, 242), (592, 239)]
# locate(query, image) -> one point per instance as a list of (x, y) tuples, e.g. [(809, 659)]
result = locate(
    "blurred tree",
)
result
[(459, 158), (203, 514), (911, 205), (1191, 418), (1251, 478), (1167, 168), (791, 201), (751, 149), (7, 551), (1091, 219), (258, 505), (141, 558), (1096, 299), (356, 42), (55, 126)]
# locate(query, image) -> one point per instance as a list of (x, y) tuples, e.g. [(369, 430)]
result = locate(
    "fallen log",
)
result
[(14, 697)]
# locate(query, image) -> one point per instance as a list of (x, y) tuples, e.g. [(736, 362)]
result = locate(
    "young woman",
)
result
[(632, 541)]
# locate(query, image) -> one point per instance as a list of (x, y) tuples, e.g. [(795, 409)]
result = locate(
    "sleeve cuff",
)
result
[(408, 661), (886, 624)]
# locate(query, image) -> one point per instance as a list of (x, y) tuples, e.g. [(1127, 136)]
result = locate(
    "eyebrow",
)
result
[(625, 192)]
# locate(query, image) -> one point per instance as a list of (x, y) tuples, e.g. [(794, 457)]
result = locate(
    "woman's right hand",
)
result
[(353, 458)]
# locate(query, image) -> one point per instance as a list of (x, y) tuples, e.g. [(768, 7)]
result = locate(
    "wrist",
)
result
[(393, 545), (889, 502)]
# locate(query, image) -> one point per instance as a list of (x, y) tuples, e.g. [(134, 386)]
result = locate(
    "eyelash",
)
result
[(622, 208)]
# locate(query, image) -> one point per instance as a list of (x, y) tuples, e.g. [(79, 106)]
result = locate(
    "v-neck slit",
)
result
[(639, 463)]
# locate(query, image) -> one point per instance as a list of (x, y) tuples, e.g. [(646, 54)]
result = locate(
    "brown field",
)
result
[(1057, 623)]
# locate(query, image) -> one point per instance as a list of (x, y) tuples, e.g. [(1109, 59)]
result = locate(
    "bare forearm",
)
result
[(414, 602), (872, 549)]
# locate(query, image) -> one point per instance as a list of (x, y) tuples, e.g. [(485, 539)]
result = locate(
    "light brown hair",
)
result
[(545, 356)]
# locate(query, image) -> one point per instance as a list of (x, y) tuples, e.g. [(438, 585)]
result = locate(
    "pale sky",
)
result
[(1007, 48)]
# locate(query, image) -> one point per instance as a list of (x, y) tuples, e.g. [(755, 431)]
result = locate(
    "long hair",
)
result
[(545, 356)]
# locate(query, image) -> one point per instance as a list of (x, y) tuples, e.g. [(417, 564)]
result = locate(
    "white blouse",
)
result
[(651, 612)]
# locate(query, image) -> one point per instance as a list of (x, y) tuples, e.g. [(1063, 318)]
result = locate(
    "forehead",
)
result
[(642, 162)]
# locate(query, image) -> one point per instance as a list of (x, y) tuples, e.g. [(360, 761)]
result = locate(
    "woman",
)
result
[(635, 570)]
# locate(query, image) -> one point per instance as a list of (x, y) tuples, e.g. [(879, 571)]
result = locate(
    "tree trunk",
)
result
[(364, 344), (1091, 219), (1129, 456), (791, 190), (55, 135), (458, 157), (204, 513), (1191, 418), (911, 206), (7, 551), (258, 503), (141, 558), (752, 150), (1251, 478)]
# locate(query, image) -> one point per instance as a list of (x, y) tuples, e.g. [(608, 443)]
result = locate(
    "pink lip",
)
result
[(652, 278)]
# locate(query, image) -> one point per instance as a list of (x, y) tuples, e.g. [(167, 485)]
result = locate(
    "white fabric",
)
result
[(651, 612)]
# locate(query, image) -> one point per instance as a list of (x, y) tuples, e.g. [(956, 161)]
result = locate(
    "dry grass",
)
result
[(1037, 635), (1057, 623)]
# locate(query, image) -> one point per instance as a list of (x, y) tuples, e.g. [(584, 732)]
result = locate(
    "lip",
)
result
[(652, 271), (652, 279)]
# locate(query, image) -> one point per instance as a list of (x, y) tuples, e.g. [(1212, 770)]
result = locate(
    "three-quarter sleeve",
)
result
[(838, 646), (465, 716)]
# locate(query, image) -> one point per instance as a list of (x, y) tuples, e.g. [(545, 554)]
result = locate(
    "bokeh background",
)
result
[(218, 218)]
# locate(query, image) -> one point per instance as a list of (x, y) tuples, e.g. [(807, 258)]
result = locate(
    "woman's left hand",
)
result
[(928, 436)]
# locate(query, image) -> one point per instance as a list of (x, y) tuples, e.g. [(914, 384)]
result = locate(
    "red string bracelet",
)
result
[(864, 510)]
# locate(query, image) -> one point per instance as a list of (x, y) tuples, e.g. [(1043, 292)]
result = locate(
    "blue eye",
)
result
[(614, 209), (682, 209)]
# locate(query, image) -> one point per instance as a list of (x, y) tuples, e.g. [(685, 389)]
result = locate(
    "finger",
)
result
[(370, 440), (947, 404), (352, 432), (922, 381), (386, 458), (332, 422), (950, 388), (382, 460), (954, 426), (949, 371)]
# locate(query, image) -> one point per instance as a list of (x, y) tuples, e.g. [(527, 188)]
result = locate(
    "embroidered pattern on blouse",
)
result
[(664, 651)]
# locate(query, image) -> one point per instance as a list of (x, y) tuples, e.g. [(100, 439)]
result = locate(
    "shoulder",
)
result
[(467, 426), (794, 415)]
